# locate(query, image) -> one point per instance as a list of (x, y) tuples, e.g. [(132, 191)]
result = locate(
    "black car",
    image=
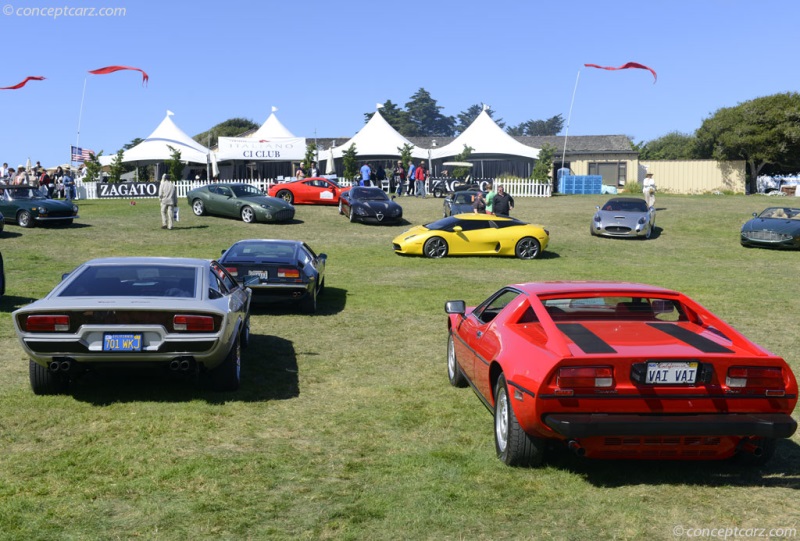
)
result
[(775, 227), (287, 270), (370, 205), (460, 202)]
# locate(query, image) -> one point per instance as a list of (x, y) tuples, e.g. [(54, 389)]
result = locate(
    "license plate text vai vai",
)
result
[(671, 373)]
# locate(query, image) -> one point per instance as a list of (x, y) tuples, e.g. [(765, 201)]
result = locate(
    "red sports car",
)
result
[(309, 191), (617, 370)]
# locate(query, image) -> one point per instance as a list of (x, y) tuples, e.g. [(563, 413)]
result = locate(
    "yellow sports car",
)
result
[(474, 234)]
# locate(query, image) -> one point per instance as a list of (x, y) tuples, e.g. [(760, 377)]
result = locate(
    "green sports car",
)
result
[(26, 206), (239, 201)]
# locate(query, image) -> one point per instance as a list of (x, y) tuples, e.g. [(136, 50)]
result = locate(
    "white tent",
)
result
[(271, 128), (484, 136), (271, 142), (378, 138), (155, 148)]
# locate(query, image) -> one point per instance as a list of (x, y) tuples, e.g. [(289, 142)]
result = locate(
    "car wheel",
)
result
[(198, 207), (514, 447), (248, 215), (341, 209), (309, 303), (24, 219), (648, 233), (454, 373), (438, 192), (245, 334), (528, 248), (435, 247), (44, 382), (352, 215), (749, 460), (227, 376), (286, 195), (322, 286)]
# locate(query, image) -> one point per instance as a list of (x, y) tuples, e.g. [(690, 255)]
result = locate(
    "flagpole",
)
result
[(569, 117), (80, 114)]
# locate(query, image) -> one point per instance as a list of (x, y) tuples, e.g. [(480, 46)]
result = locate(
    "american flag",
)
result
[(81, 154)]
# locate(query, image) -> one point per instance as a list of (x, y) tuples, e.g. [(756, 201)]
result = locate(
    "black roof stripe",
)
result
[(585, 339), (693, 339)]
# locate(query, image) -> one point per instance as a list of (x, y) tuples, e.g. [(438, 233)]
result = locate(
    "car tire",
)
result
[(198, 207), (248, 215), (286, 195), (528, 248), (352, 215), (321, 286), (24, 219), (308, 305), (648, 233), (227, 376), (514, 447), (749, 460), (438, 192), (245, 333), (435, 247), (45, 382), (454, 373), (341, 209)]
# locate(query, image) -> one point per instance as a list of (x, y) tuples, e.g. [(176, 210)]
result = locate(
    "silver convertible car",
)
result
[(624, 217), (186, 315)]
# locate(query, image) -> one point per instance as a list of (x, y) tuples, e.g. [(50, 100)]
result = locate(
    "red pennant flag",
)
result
[(626, 66), (112, 69), (23, 83)]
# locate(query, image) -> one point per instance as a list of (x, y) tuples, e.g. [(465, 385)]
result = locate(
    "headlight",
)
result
[(397, 212), (642, 220), (360, 211), (597, 218), (75, 209)]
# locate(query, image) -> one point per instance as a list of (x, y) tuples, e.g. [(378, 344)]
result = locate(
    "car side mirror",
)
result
[(457, 229), (755, 214), (64, 276), (393, 197), (597, 207), (455, 307), (223, 251), (322, 257), (214, 294)]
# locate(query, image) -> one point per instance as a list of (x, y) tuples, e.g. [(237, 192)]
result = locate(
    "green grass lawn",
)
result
[(345, 426)]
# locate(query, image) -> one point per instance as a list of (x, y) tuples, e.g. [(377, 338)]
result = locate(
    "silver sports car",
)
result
[(187, 315), (624, 217)]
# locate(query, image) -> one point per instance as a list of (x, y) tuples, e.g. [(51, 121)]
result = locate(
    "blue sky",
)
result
[(325, 64)]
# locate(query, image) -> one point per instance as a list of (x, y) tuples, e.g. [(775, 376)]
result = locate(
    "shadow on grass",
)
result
[(6, 234), (269, 372), (9, 303), (330, 302), (782, 470)]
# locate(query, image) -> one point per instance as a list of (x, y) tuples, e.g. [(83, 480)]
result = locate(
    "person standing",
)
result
[(300, 174), (649, 190), (399, 175), (412, 172), (365, 173), (169, 198), (22, 175), (69, 184), (490, 198), (503, 203), (314, 170), (421, 175)]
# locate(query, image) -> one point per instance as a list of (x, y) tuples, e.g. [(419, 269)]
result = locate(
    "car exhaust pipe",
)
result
[(576, 448), (747, 446), (185, 365), (54, 366), (65, 366), (174, 365), (296, 294)]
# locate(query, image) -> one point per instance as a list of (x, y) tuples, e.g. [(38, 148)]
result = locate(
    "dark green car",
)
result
[(26, 206), (239, 201)]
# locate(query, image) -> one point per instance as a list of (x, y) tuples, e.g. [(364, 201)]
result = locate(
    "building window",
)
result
[(613, 173)]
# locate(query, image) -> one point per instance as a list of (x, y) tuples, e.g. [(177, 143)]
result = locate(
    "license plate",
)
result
[(264, 275), (122, 342), (671, 373)]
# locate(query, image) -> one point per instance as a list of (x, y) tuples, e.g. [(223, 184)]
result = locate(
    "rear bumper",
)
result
[(585, 425)]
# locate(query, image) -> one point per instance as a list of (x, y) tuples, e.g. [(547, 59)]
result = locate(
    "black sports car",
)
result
[(775, 227), (370, 205), (287, 270), (460, 202)]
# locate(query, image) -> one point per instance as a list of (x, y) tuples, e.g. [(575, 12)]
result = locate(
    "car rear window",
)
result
[(614, 308), (259, 250), (133, 281)]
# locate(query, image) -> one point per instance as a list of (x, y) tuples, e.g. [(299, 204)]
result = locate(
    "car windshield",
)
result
[(782, 213), (369, 194), (245, 190), (626, 205), (443, 224), (21, 193), (464, 198), (614, 308), (132, 281), (254, 250)]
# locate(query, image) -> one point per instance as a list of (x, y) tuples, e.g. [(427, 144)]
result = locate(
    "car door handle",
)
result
[(479, 334)]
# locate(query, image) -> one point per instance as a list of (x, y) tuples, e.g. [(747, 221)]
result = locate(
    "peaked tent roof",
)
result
[(155, 148), (484, 136), (378, 138), (271, 128)]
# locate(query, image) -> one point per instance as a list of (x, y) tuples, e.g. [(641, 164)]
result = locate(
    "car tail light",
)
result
[(233, 271), (585, 376), (288, 272), (49, 323), (193, 323), (755, 377)]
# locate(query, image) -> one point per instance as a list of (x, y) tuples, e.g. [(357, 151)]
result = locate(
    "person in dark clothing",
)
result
[(503, 203)]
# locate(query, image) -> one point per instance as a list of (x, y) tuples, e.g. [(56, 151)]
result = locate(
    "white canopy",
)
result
[(271, 142), (271, 128), (378, 138), (155, 148), (484, 136)]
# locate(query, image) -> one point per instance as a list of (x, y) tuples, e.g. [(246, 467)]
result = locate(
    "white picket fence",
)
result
[(515, 187)]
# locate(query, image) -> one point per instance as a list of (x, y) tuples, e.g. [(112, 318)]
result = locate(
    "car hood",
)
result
[(377, 206), (779, 225), (273, 202), (620, 216), (49, 204)]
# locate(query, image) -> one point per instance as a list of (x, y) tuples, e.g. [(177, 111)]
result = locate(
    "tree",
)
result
[(465, 118), (673, 146), (175, 165), (551, 126), (229, 128), (397, 118), (763, 132), (93, 167), (462, 172), (405, 154), (311, 156), (544, 164), (141, 171), (350, 162), (117, 168), (425, 117)]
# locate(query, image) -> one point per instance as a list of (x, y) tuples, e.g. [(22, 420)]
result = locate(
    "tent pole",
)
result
[(569, 118)]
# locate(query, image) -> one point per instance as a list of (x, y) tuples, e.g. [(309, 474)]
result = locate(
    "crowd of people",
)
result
[(58, 184)]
